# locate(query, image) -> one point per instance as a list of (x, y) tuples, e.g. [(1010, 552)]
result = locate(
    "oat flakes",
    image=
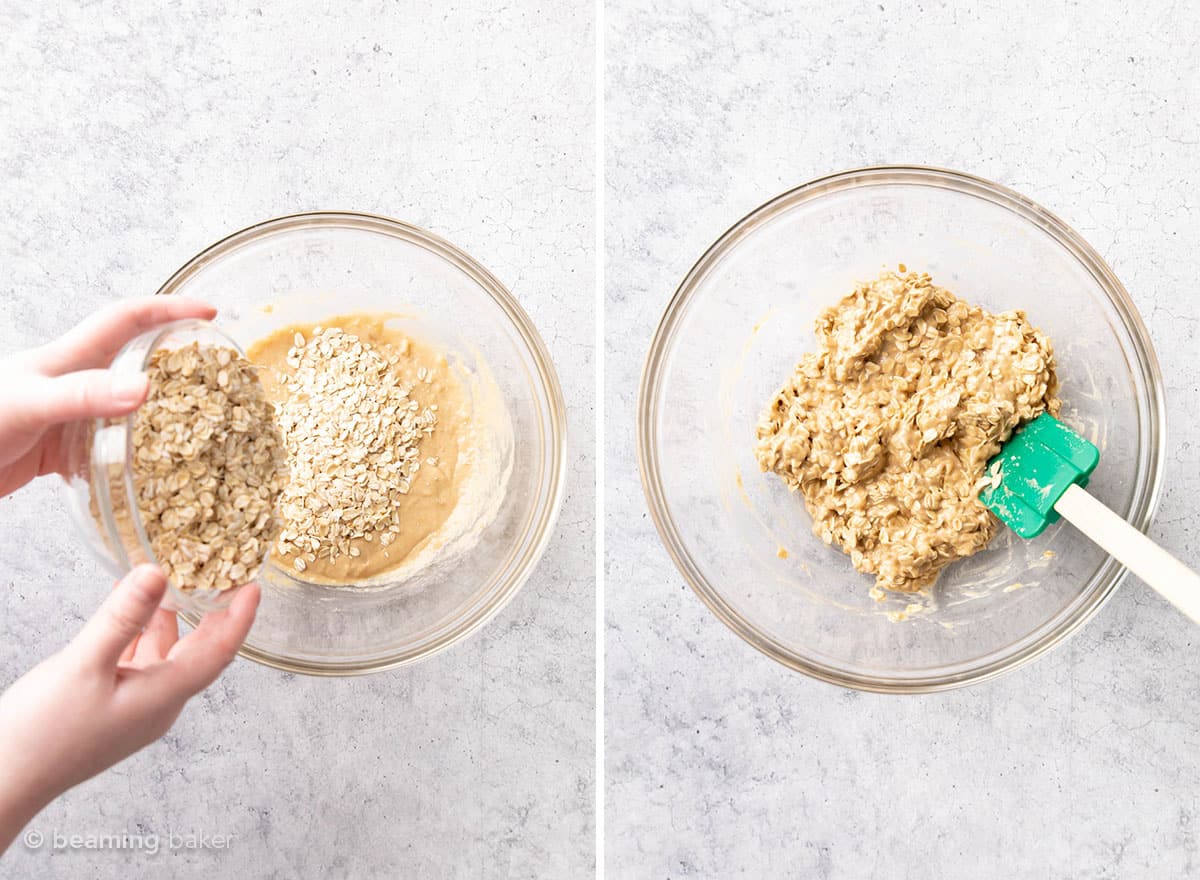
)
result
[(886, 429), (353, 435), (208, 467)]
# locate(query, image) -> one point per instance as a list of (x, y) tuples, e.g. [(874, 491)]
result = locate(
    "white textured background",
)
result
[(133, 135), (721, 763)]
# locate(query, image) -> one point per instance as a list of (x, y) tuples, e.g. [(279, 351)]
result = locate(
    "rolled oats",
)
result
[(208, 467), (886, 429), (352, 433)]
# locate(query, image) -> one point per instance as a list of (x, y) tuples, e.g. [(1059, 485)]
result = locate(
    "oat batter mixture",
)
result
[(373, 422), (887, 427)]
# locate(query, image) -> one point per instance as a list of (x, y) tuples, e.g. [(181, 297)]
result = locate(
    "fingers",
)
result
[(93, 343), (120, 619), (197, 659), (159, 637), (127, 655), (89, 394)]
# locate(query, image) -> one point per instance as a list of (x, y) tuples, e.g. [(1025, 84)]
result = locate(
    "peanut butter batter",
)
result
[(887, 427), (434, 490)]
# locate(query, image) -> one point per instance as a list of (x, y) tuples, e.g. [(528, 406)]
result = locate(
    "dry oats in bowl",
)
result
[(422, 427)]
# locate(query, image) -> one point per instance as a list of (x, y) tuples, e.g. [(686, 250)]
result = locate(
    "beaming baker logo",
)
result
[(149, 843)]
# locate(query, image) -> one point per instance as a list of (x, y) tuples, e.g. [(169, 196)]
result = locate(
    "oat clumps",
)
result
[(353, 432), (886, 429), (208, 466)]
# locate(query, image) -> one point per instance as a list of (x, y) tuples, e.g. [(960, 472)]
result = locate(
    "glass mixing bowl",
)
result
[(309, 267), (731, 336)]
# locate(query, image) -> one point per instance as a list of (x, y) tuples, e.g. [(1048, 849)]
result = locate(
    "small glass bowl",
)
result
[(99, 470), (733, 333)]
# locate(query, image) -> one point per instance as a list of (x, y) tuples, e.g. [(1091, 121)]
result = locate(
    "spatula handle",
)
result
[(1173, 580)]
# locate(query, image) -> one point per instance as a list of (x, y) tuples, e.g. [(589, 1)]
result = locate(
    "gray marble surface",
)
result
[(131, 136), (721, 763)]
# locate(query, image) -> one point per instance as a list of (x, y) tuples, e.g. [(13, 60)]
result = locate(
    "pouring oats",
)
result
[(208, 467)]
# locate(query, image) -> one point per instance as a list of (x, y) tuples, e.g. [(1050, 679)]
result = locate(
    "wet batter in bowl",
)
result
[(887, 427), (378, 431)]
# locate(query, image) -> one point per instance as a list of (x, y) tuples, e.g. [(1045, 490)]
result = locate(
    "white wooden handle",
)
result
[(1173, 580)]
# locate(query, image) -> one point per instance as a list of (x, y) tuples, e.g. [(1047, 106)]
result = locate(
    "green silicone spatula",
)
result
[(1040, 475)]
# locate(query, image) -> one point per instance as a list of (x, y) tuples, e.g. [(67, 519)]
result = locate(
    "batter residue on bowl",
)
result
[(887, 427), (378, 430)]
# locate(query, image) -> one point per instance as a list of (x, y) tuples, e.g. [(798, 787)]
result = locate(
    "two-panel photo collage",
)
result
[(599, 439)]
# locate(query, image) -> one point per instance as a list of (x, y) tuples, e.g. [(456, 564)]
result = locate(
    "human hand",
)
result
[(118, 686), (66, 380)]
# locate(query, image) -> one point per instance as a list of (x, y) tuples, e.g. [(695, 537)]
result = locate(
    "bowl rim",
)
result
[(1153, 445), (542, 526)]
